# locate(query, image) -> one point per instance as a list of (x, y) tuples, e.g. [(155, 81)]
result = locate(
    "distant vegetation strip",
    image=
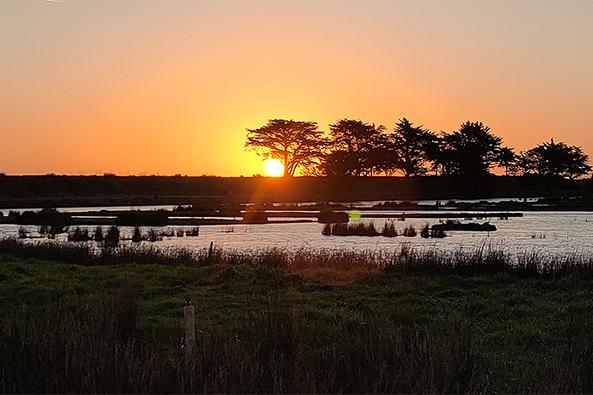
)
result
[(159, 218), (97, 191)]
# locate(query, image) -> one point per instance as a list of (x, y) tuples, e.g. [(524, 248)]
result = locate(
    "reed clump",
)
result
[(409, 231), (193, 232), (389, 229), (469, 227), (137, 235), (79, 234), (183, 232), (153, 235), (350, 229), (98, 235), (111, 240), (366, 229), (425, 231), (22, 231), (432, 232)]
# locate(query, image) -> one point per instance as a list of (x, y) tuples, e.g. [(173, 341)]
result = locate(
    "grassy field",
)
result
[(274, 323)]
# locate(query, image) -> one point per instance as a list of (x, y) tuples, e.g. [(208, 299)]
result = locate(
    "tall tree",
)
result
[(472, 150), (295, 143), (507, 159), (556, 159), (440, 156), (359, 147), (410, 147)]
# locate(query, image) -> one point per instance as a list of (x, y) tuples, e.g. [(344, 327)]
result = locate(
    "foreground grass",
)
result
[(267, 327)]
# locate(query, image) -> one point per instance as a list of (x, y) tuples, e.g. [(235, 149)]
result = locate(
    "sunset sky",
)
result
[(169, 87)]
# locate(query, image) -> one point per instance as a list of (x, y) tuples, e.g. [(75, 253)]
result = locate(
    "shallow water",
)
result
[(544, 232)]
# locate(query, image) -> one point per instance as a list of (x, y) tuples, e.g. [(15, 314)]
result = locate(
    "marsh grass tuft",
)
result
[(409, 231), (22, 231), (425, 231), (389, 229), (194, 232)]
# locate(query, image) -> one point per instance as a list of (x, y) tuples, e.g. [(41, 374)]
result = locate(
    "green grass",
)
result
[(527, 332)]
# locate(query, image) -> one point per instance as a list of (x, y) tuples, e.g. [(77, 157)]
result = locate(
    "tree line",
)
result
[(356, 148)]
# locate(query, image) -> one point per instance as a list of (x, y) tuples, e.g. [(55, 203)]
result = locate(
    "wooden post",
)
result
[(211, 251), (190, 329)]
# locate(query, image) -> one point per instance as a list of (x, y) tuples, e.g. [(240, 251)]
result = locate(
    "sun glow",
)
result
[(273, 168)]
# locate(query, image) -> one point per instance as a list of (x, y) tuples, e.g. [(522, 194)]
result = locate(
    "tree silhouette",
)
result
[(357, 148), (295, 143), (410, 146), (557, 159), (507, 159), (472, 150), (338, 163), (438, 154)]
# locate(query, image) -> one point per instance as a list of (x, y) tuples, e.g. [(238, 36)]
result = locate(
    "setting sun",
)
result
[(273, 168)]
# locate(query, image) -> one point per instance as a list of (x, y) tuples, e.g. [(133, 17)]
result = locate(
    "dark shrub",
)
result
[(112, 238), (79, 234), (99, 234), (137, 235), (425, 232)]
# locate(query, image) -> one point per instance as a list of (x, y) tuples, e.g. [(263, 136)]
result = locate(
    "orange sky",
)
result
[(169, 87)]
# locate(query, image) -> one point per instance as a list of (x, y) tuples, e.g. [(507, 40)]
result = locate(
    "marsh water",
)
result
[(543, 232)]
